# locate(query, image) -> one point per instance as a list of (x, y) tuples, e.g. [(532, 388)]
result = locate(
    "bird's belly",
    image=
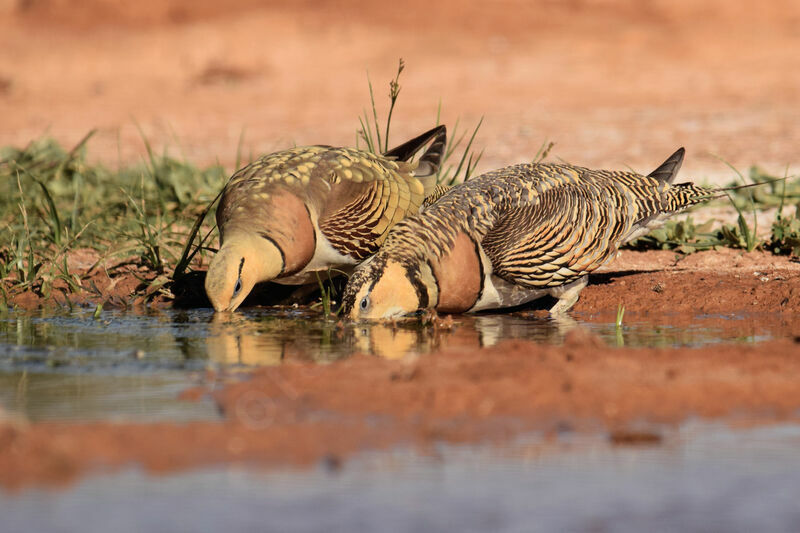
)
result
[(498, 293), (640, 230), (325, 257)]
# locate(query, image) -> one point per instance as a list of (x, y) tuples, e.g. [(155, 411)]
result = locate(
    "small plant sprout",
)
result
[(369, 133), (543, 152), (618, 326), (785, 232), (328, 292)]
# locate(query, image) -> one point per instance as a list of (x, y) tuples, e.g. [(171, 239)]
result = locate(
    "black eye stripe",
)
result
[(414, 276), (238, 286)]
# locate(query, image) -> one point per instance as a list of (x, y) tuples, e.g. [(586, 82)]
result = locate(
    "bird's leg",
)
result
[(567, 296)]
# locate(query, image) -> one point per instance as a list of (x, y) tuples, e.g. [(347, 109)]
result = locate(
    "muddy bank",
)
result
[(302, 413), (721, 282), (715, 282), (121, 283)]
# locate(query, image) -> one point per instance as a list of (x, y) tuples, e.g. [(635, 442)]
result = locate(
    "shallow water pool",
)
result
[(125, 365)]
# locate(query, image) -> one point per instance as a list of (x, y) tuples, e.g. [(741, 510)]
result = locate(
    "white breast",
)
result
[(325, 257)]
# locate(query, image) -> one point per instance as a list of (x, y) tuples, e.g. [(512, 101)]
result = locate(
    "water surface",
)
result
[(56, 364), (705, 478)]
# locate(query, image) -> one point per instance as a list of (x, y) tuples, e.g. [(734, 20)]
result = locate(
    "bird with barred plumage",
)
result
[(294, 213), (513, 235)]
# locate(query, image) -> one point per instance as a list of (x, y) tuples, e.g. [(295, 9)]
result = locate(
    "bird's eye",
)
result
[(364, 303), (238, 287)]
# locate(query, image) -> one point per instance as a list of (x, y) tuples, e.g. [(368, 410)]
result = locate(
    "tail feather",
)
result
[(431, 159), (667, 171), (722, 190), (684, 195), (681, 196)]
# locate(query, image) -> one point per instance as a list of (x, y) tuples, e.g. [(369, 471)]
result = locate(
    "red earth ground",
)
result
[(611, 82)]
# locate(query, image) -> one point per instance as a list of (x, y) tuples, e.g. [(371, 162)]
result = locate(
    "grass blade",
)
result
[(468, 147), (52, 213), (374, 114), (751, 241), (188, 254)]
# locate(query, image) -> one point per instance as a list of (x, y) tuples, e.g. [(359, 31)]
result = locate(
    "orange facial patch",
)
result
[(459, 275), (392, 295)]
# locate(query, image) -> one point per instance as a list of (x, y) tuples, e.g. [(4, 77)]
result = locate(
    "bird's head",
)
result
[(241, 262), (386, 287)]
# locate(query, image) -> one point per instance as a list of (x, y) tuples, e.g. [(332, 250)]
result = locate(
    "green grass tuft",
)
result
[(54, 200)]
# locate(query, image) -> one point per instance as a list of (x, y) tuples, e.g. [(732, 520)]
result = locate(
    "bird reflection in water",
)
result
[(238, 340), (271, 339)]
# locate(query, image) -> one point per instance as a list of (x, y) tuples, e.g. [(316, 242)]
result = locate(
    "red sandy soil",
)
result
[(719, 282), (113, 283), (611, 82)]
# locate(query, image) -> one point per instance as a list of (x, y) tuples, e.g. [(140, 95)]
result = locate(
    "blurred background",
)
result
[(610, 82)]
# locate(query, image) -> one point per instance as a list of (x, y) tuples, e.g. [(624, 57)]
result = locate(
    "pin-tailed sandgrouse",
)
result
[(513, 235), (296, 212)]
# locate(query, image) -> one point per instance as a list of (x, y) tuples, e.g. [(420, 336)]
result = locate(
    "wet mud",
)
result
[(305, 413)]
